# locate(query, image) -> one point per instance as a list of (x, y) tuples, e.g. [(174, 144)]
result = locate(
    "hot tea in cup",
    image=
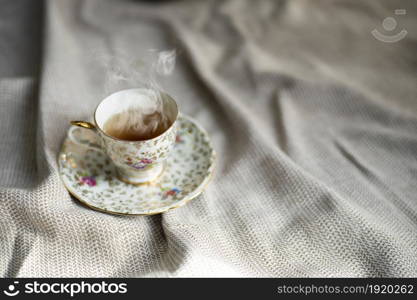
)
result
[(134, 125)]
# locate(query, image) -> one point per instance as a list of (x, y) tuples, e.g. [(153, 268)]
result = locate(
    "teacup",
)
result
[(136, 162)]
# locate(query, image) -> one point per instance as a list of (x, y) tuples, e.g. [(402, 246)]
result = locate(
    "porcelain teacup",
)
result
[(136, 162)]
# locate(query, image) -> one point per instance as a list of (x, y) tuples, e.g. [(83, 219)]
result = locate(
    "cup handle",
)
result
[(85, 143)]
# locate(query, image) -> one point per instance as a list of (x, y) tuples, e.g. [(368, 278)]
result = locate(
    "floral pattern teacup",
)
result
[(136, 161)]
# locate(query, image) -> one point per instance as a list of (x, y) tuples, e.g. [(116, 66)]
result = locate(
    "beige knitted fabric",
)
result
[(314, 121)]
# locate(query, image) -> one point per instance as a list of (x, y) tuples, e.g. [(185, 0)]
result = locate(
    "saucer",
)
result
[(90, 176)]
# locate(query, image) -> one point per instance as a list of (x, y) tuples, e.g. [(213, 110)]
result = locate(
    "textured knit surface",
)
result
[(314, 121)]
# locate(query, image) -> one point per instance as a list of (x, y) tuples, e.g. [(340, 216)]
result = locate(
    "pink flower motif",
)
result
[(146, 161), (89, 180), (141, 164), (178, 139)]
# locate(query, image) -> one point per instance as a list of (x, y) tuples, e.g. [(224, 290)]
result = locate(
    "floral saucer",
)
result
[(89, 175)]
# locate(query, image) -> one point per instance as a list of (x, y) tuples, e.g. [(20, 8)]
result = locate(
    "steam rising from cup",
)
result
[(140, 122), (165, 63)]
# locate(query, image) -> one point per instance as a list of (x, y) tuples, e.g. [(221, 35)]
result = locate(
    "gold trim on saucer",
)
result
[(183, 202)]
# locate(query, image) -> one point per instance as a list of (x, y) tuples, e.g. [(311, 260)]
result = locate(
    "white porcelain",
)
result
[(91, 177)]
